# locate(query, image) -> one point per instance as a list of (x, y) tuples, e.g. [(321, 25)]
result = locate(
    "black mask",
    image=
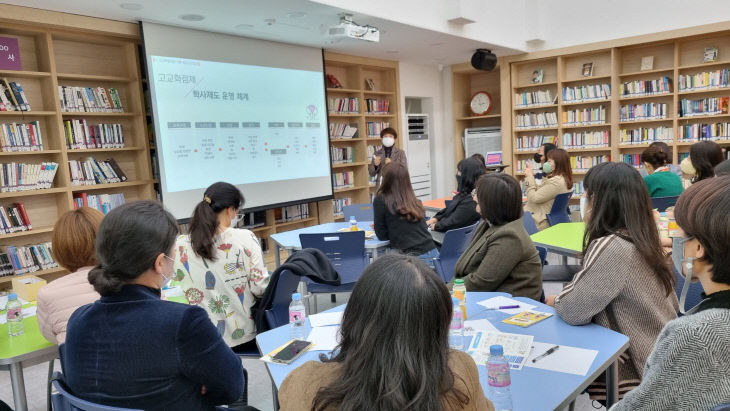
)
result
[(537, 157), (458, 182)]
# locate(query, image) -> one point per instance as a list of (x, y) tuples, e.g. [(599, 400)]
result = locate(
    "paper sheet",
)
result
[(324, 319), (324, 338), (516, 347), (173, 292), (501, 301), (471, 327), (571, 360)]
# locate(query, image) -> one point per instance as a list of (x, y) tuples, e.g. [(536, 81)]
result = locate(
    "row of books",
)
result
[(702, 106), (584, 163), (585, 116), (21, 137), (27, 259), (344, 179), (532, 143), (589, 92), (534, 98), (661, 85), (375, 127), (578, 188), (14, 218), (291, 213), (633, 159), (537, 120), (643, 135), (704, 80), (342, 155), (370, 151), (12, 96), (682, 156), (377, 106), (587, 139), (343, 130), (91, 172), (646, 111), (101, 202), (90, 99), (339, 205), (23, 176), (343, 105), (80, 135), (716, 131)]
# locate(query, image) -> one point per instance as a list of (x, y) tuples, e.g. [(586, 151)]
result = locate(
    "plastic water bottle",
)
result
[(499, 379), (456, 331), (353, 223), (297, 317), (15, 316), (459, 291)]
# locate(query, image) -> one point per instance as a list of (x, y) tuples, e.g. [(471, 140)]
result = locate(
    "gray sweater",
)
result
[(689, 368)]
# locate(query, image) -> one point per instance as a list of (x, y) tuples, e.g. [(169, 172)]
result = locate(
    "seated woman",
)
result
[(692, 351), (394, 353), (74, 237), (399, 215), (558, 180), (501, 255), (130, 348), (664, 148), (705, 155), (625, 283), (461, 212), (660, 181), (221, 268)]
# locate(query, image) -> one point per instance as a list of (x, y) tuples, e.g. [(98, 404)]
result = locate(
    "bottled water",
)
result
[(499, 379), (297, 317), (353, 223), (456, 331), (14, 316), (459, 291)]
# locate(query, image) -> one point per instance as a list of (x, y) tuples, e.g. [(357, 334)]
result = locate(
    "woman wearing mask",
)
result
[(541, 158), (558, 180), (221, 268), (461, 212), (386, 154)]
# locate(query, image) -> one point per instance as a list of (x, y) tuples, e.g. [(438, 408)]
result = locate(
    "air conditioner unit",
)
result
[(419, 153)]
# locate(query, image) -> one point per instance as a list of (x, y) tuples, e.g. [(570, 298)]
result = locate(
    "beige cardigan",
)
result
[(59, 299), (540, 199)]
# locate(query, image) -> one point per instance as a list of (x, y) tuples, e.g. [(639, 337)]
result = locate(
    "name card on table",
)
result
[(9, 54)]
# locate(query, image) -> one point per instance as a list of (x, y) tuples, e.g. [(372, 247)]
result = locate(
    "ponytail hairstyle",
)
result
[(130, 239), (204, 224)]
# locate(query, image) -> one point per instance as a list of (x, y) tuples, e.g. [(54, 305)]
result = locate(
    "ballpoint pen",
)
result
[(546, 353)]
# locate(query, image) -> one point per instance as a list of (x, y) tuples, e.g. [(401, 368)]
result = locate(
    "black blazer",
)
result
[(461, 212)]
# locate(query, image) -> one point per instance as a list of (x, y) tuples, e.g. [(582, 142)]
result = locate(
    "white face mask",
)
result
[(388, 141), (235, 220), (583, 207), (166, 279)]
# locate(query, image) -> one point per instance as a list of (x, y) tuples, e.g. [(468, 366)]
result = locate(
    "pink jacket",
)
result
[(59, 299)]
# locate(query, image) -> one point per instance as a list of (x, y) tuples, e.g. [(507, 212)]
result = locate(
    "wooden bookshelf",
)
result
[(58, 49)]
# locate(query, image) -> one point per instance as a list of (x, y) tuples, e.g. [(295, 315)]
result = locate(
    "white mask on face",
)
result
[(583, 207), (166, 279), (388, 141), (235, 220)]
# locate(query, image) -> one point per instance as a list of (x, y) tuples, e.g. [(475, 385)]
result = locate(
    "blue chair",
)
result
[(694, 294), (662, 203), (531, 229), (361, 212), (455, 243), (559, 212), (722, 407), (447, 202), (63, 400), (278, 314), (346, 252)]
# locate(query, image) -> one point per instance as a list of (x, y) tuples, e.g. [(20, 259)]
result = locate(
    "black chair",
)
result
[(662, 203)]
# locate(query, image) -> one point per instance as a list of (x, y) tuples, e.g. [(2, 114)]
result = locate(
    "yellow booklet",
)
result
[(526, 318)]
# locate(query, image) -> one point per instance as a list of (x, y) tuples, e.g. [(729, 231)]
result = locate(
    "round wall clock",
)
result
[(481, 103)]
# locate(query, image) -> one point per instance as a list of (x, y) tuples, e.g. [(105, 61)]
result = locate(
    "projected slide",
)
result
[(238, 123)]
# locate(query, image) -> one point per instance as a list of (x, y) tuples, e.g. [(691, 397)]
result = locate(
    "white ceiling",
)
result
[(249, 18)]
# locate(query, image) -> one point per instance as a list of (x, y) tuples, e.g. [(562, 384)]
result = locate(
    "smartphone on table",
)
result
[(291, 351)]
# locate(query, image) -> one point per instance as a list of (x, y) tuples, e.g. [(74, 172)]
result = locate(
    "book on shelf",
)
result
[(534, 98), (586, 93), (291, 213), (702, 106), (705, 80), (377, 106), (375, 127), (339, 205), (342, 155), (644, 135), (646, 111), (587, 139), (585, 116), (101, 202), (343, 130), (80, 135), (532, 143), (89, 171), (12, 96), (14, 218), (702, 131), (344, 179), (343, 105), (90, 99), (370, 152), (333, 82), (28, 258), (22, 176), (577, 188), (583, 163), (21, 137), (632, 159), (537, 120), (639, 88)]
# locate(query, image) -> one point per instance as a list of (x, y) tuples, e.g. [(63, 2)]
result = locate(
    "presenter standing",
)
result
[(386, 154)]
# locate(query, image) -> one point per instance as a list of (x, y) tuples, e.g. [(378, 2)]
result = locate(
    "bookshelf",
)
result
[(58, 49)]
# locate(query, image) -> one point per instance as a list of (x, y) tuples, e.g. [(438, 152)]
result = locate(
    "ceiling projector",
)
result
[(347, 28)]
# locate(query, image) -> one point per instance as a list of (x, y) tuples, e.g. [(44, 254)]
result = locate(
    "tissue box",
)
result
[(27, 286)]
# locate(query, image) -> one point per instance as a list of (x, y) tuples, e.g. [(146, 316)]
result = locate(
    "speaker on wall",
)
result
[(484, 59)]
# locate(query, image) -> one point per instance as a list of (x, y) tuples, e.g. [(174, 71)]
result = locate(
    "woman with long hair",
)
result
[(705, 155), (461, 212), (220, 267), (131, 349), (394, 352), (558, 180), (625, 282), (399, 215)]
